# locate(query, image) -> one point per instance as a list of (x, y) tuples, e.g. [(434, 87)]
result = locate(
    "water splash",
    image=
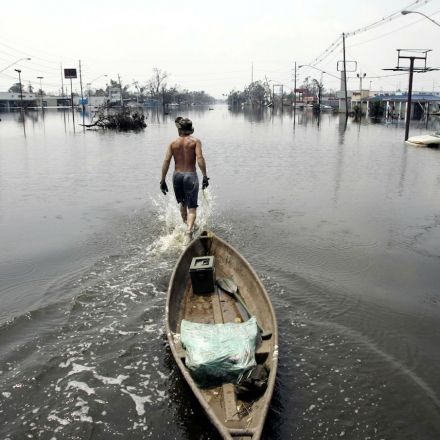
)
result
[(168, 213)]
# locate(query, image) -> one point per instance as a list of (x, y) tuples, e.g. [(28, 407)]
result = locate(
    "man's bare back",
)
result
[(183, 150)]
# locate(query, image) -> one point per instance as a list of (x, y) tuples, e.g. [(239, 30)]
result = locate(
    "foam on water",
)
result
[(173, 237), (139, 401), (80, 386)]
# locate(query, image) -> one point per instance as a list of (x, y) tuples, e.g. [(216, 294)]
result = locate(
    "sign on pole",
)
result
[(351, 66), (70, 73)]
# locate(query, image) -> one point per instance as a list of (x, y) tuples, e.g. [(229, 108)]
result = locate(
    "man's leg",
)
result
[(192, 214), (183, 212)]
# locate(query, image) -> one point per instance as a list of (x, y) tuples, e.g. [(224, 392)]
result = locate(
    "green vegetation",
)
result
[(156, 91), (122, 120), (259, 93)]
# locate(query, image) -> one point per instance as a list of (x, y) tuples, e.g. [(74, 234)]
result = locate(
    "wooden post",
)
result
[(71, 98), (345, 77), (409, 102)]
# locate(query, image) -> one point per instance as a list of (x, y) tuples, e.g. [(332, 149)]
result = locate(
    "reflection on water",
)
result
[(339, 218)]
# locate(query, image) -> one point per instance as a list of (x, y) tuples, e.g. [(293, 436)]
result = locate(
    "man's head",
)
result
[(184, 125)]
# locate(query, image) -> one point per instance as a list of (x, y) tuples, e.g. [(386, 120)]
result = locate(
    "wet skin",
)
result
[(185, 150)]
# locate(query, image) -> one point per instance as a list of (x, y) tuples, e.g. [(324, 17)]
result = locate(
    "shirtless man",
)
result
[(185, 150)]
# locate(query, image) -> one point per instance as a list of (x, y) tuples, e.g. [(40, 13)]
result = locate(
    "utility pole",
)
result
[(294, 91), (81, 86), (62, 81), (319, 96), (345, 76), (41, 92), (411, 55), (409, 103), (282, 94), (71, 98), (120, 88), (21, 89)]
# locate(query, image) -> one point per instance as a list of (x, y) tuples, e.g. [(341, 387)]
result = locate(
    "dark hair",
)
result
[(184, 125)]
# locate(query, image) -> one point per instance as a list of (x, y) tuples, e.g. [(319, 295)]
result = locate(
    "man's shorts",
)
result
[(186, 188)]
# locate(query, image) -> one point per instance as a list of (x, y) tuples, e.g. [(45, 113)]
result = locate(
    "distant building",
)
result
[(394, 104), (360, 98), (90, 101), (114, 95), (10, 100)]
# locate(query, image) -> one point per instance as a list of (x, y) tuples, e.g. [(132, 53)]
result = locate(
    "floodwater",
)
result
[(343, 227)]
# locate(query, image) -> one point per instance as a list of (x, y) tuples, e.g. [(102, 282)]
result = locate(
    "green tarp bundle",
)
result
[(217, 353)]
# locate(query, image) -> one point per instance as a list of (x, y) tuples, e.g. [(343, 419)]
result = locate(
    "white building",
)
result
[(10, 100), (114, 95)]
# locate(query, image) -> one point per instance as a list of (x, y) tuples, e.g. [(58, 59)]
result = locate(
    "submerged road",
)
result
[(342, 226)]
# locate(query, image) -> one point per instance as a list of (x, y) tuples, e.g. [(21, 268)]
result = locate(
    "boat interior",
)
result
[(241, 418)]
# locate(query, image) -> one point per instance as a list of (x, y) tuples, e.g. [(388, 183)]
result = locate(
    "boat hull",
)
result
[(231, 416)]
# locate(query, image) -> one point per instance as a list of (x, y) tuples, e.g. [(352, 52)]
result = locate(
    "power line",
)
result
[(319, 59), (327, 51), (54, 61), (392, 32), (416, 4)]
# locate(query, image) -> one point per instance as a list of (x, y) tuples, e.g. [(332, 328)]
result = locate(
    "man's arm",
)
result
[(202, 164), (200, 159), (165, 166), (166, 163)]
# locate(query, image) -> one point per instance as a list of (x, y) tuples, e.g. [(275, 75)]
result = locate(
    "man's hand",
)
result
[(163, 187), (205, 182)]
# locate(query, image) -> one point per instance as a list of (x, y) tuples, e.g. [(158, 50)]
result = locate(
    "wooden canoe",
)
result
[(232, 417)]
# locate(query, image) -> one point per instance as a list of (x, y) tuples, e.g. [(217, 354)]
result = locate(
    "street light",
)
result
[(309, 65), (420, 13), (100, 76), (21, 90), (361, 76), (15, 62), (90, 83), (41, 91), (316, 68)]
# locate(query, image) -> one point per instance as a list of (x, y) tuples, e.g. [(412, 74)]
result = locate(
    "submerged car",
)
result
[(426, 140)]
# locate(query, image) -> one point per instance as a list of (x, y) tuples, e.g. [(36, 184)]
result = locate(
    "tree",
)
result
[(123, 120), (236, 98), (156, 89), (140, 91), (376, 109), (256, 93), (15, 88), (30, 88), (156, 85), (311, 87)]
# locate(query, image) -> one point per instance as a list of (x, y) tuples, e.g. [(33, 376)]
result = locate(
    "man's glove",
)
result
[(163, 187), (205, 182)]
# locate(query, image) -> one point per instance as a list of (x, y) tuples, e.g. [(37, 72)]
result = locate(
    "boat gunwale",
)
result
[(226, 432)]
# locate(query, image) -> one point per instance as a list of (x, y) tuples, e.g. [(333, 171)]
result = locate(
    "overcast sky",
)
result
[(205, 45)]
